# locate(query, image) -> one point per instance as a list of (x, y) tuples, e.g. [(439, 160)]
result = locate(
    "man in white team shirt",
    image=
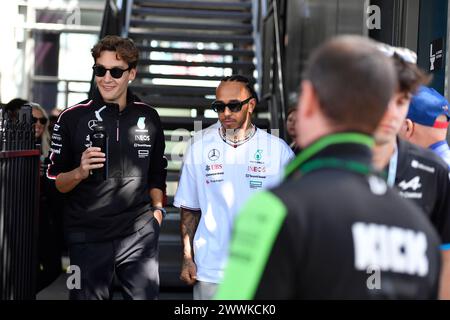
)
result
[(222, 167)]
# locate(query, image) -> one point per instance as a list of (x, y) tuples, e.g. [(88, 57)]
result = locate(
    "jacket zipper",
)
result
[(120, 145), (117, 129)]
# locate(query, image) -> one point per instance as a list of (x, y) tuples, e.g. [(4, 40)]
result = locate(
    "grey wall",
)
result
[(311, 22)]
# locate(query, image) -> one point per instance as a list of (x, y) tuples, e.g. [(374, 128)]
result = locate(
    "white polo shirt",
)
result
[(217, 179)]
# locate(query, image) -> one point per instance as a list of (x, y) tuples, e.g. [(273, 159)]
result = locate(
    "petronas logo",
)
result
[(141, 123), (258, 155)]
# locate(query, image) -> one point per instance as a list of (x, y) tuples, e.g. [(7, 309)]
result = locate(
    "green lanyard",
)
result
[(301, 161)]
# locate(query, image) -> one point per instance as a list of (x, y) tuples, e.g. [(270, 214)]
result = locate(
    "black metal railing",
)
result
[(19, 194), (272, 82)]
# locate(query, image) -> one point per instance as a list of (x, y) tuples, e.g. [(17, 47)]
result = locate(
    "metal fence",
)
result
[(19, 194)]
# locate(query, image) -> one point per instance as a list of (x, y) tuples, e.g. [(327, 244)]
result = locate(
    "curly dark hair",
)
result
[(125, 49)]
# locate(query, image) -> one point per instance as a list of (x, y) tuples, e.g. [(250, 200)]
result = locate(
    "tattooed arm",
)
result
[(189, 223)]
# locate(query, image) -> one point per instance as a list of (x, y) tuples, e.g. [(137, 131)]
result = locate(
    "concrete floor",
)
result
[(58, 291)]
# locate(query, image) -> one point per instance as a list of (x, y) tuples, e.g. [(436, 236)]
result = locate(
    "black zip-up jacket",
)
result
[(423, 177), (103, 210)]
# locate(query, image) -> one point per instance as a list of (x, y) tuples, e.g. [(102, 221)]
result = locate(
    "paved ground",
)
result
[(58, 291)]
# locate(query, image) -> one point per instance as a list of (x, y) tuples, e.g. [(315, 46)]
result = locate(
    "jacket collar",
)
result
[(99, 102), (402, 155)]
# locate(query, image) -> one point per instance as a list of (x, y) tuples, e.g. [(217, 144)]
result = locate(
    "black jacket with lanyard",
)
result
[(102, 210), (422, 176)]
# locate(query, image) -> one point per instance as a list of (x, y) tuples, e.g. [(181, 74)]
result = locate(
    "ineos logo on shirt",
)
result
[(92, 124), (213, 154), (142, 137)]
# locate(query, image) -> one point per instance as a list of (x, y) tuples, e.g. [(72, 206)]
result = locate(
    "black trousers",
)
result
[(133, 260)]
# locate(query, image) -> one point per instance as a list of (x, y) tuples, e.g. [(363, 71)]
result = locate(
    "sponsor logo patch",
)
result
[(213, 154), (417, 165), (256, 169), (92, 124), (143, 153), (258, 154), (255, 184), (141, 125)]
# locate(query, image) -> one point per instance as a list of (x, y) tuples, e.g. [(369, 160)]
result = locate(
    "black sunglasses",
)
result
[(42, 120), (234, 106), (115, 72)]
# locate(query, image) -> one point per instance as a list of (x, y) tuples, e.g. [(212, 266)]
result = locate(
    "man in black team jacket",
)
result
[(417, 173), (112, 225), (325, 231)]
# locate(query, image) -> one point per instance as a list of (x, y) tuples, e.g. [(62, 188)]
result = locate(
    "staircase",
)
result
[(186, 48)]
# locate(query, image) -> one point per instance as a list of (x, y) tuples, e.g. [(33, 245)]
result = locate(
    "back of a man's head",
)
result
[(353, 82)]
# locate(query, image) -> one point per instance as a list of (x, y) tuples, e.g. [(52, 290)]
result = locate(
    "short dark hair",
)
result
[(410, 76), (12, 107), (243, 79), (290, 110), (125, 49), (353, 82)]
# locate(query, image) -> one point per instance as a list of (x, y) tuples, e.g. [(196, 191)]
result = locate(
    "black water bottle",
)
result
[(99, 139)]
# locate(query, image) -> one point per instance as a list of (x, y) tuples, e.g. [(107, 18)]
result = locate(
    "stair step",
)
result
[(170, 199), (172, 36), (182, 102), (170, 256), (175, 102), (171, 210), (188, 13), (173, 176), (180, 137), (169, 156), (237, 64), (169, 276), (172, 123), (218, 5), (172, 240), (174, 90), (173, 216), (189, 26), (148, 75), (234, 52)]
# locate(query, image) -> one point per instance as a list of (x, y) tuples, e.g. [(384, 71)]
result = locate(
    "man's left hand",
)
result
[(158, 216)]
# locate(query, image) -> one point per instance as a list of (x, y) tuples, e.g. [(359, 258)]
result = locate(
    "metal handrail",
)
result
[(52, 79), (279, 62), (127, 12)]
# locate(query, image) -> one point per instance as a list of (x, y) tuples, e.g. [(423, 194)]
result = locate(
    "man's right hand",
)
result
[(189, 271), (92, 158)]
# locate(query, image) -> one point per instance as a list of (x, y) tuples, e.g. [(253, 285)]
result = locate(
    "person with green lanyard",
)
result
[(332, 223)]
